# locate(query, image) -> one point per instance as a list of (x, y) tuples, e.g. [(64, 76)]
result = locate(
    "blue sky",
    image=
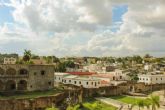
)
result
[(5, 15), (83, 27)]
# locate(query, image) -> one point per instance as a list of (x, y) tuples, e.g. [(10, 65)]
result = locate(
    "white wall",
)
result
[(152, 79), (85, 83)]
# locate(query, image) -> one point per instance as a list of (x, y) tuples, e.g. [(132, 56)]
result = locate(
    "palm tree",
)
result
[(93, 106), (27, 55), (53, 108), (140, 104), (154, 102), (147, 103)]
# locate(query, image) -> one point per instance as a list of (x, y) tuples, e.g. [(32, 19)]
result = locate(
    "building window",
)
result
[(120, 77), (79, 82), (98, 82), (74, 82), (59, 78), (92, 83), (87, 83), (113, 78), (49, 83), (69, 80), (31, 86), (161, 78), (35, 73), (42, 72), (95, 84), (156, 78)]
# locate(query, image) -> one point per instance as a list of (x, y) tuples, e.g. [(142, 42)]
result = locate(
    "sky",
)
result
[(83, 27)]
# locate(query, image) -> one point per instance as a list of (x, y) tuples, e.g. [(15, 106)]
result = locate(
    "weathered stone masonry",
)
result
[(15, 77)]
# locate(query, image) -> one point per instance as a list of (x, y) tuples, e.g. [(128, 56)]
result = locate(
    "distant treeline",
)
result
[(2, 56)]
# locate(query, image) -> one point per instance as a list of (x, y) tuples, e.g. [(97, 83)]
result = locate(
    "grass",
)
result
[(126, 99), (89, 104), (92, 104), (31, 95), (101, 106)]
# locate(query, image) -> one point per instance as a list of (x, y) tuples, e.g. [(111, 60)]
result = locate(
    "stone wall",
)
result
[(32, 104), (16, 77), (122, 89)]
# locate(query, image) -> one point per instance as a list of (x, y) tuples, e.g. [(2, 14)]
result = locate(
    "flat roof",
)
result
[(152, 75)]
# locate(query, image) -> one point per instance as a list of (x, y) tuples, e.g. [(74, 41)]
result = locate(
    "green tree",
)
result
[(147, 103), (93, 106), (140, 104), (147, 56), (154, 102), (27, 55), (53, 108)]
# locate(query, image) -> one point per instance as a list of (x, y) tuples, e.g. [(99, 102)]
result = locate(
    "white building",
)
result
[(152, 79), (58, 77), (147, 67), (117, 75), (86, 82), (10, 60)]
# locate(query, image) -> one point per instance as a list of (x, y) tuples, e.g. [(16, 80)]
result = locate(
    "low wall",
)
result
[(32, 104), (122, 89), (41, 103)]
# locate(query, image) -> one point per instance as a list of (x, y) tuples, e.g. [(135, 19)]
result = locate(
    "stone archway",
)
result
[(1, 86), (22, 85), (23, 72), (10, 85), (2, 71), (11, 71)]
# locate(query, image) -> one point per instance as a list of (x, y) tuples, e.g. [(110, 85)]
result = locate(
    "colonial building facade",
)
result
[(16, 77)]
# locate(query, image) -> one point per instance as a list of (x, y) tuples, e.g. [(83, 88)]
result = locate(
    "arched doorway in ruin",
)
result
[(22, 85), (11, 71), (10, 85), (1, 85), (2, 71), (23, 72)]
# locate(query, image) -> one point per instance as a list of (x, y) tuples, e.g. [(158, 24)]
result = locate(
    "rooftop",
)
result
[(81, 73)]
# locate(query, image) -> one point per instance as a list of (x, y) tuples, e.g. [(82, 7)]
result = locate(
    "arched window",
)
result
[(1, 85), (23, 72), (10, 85), (2, 71)]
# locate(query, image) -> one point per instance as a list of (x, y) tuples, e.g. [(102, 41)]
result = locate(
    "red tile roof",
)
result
[(81, 73), (104, 75), (104, 82)]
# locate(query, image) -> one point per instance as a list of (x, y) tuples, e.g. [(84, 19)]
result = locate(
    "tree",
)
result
[(27, 55), (140, 104), (154, 102), (69, 64), (53, 108), (93, 106), (147, 56), (60, 67), (147, 103), (119, 60)]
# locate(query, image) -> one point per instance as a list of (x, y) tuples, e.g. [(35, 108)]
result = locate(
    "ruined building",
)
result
[(16, 77)]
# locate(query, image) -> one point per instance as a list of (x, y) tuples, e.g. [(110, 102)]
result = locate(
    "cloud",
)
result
[(84, 27)]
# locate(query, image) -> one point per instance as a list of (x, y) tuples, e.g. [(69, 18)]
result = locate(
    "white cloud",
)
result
[(83, 27)]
